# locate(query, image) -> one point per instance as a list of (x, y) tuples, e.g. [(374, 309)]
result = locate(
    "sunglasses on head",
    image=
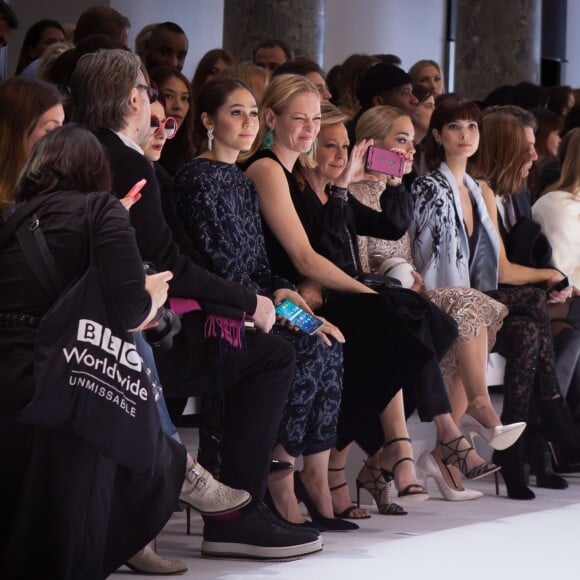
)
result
[(169, 125)]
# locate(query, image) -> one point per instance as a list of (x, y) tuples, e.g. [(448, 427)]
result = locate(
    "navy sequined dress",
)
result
[(218, 206)]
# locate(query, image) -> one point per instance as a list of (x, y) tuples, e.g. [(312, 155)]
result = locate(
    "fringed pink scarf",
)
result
[(219, 327)]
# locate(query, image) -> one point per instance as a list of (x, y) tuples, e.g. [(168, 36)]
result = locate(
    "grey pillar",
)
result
[(498, 43), (300, 23)]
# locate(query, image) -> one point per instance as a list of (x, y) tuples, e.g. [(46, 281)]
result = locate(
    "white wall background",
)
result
[(31, 11), (413, 29), (202, 21), (571, 69)]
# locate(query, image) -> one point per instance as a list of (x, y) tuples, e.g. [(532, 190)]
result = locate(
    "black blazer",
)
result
[(525, 243), (154, 236)]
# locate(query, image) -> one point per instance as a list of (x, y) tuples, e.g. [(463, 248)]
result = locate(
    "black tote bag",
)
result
[(89, 377)]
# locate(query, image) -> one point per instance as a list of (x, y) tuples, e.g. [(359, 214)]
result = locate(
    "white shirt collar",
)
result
[(129, 142)]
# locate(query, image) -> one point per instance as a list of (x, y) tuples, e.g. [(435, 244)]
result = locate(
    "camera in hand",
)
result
[(167, 323)]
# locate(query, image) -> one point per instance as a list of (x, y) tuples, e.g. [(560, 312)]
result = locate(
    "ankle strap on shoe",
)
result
[(370, 467), (336, 468), (407, 439), (339, 486)]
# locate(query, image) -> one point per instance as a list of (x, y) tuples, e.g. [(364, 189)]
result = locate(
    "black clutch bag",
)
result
[(377, 282)]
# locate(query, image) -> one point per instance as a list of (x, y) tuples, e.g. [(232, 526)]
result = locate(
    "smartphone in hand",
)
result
[(563, 283), (385, 161), (298, 317)]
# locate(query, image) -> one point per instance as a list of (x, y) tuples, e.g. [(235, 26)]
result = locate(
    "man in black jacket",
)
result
[(111, 96)]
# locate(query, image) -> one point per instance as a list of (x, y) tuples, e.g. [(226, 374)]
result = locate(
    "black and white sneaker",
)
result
[(257, 535)]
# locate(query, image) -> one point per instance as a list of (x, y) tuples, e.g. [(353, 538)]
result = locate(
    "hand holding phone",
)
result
[(563, 283), (133, 195), (385, 161), (298, 317)]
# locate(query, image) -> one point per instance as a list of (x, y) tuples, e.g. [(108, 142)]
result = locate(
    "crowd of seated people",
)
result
[(246, 187)]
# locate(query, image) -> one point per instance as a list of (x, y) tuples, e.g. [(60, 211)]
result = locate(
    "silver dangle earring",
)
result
[(210, 139)]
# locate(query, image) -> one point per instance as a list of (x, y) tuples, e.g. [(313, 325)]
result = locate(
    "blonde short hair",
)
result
[(331, 115), (377, 122), (276, 97)]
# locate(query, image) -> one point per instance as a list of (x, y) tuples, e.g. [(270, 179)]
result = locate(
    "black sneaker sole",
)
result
[(253, 552)]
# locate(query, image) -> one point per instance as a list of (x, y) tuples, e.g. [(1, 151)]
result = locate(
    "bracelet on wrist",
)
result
[(335, 191)]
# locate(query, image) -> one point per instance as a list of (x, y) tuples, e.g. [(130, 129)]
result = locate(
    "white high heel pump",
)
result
[(499, 438), (427, 466)]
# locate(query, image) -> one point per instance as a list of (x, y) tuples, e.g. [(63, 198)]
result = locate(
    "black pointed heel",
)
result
[(269, 502), (331, 524)]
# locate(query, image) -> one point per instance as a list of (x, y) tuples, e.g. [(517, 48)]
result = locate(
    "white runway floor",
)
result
[(494, 538)]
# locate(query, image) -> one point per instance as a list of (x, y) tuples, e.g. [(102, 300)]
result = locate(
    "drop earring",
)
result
[(210, 139), (268, 139)]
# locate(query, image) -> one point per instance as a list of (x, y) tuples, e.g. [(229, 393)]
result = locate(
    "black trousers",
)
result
[(393, 339), (255, 387)]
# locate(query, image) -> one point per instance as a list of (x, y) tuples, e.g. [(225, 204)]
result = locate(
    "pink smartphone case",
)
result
[(385, 161)]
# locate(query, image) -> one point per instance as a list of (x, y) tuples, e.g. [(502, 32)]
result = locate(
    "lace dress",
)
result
[(471, 309)]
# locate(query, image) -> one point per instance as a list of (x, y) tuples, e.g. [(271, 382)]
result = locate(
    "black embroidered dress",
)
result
[(393, 339)]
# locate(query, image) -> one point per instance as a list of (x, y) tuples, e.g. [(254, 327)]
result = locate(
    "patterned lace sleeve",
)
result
[(373, 251)]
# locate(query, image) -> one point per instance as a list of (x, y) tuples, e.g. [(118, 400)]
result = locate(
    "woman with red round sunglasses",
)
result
[(162, 128)]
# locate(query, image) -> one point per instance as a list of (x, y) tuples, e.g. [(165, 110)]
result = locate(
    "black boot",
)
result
[(539, 457), (558, 427), (513, 471)]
